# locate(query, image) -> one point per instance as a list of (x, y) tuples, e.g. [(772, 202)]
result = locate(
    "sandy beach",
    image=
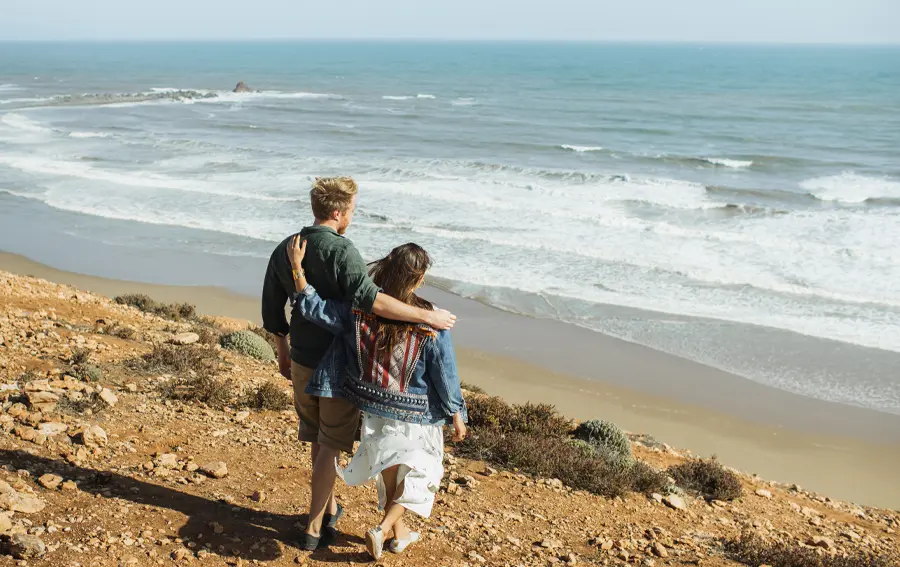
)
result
[(842, 451)]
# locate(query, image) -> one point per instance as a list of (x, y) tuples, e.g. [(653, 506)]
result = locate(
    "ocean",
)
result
[(735, 205)]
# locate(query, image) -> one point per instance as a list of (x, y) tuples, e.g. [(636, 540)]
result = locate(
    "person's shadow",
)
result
[(246, 533)]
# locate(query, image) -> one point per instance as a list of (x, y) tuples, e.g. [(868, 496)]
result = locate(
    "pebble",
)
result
[(23, 546), (185, 339), (216, 469), (50, 481), (674, 501), (109, 397), (764, 493), (94, 436)]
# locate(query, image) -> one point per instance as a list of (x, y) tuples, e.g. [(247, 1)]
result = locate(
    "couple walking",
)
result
[(368, 356)]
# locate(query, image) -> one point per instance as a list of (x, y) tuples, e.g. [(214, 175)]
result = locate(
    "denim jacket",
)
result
[(415, 382)]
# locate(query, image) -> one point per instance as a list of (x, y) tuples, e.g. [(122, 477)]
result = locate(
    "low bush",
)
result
[(268, 396), (534, 419), (200, 388), (472, 388), (249, 344), (553, 457), (607, 436), (173, 311), (120, 331), (80, 356), (707, 477), (79, 404), (176, 359), (208, 335), (88, 372), (751, 549), (269, 337)]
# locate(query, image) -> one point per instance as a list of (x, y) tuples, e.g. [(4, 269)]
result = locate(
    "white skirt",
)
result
[(418, 449)]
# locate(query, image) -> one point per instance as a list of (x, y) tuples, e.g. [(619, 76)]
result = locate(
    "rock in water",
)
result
[(242, 88), (22, 546), (217, 469)]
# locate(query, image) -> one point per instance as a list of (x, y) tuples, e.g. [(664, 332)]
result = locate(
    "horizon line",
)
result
[(460, 40)]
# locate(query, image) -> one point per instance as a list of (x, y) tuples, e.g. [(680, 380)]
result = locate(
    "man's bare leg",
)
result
[(322, 496)]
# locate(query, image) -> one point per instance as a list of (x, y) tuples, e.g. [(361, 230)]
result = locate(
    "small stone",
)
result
[(258, 496), (488, 471), (185, 339), (823, 542), (657, 497), (167, 461), (180, 554), (94, 436), (22, 546), (851, 535), (453, 488), (42, 401), (15, 502), (674, 501), (109, 397), (192, 467), (217, 528), (216, 469), (50, 481), (70, 486), (764, 493), (5, 522), (660, 551), (53, 428)]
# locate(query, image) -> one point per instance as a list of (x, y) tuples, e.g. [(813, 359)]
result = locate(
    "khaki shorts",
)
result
[(333, 422)]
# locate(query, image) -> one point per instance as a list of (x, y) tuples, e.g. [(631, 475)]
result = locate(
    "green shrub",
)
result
[(606, 436), (200, 388), (709, 478), (268, 396), (489, 411), (173, 311), (250, 344), (751, 549), (180, 359), (583, 446), (120, 331), (554, 457), (88, 373), (269, 337)]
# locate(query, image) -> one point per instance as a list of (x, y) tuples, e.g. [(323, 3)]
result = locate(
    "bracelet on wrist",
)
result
[(298, 273)]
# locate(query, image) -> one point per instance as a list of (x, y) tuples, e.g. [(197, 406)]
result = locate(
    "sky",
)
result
[(780, 21)]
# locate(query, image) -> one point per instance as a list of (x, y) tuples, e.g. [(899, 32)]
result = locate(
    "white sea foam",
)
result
[(464, 101), (732, 163), (88, 135), (849, 187), (397, 97), (581, 149), (8, 87), (23, 123), (426, 96)]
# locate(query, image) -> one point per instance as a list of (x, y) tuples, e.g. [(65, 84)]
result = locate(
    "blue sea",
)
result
[(736, 205)]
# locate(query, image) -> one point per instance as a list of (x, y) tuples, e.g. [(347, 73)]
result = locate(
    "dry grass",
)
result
[(120, 331), (80, 356), (78, 407), (208, 335), (201, 388), (173, 311), (472, 388), (268, 396), (751, 549), (175, 359), (709, 478), (533, 419)]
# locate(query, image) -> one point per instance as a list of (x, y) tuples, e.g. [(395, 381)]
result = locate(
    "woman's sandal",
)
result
[(400, 545)]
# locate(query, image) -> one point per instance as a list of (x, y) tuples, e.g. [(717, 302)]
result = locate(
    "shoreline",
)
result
[(859, 465)]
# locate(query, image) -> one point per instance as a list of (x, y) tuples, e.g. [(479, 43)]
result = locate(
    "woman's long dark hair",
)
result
[(398, 274)]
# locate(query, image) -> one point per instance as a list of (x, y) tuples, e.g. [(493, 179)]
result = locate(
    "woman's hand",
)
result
[(296, 252), (459, 428)]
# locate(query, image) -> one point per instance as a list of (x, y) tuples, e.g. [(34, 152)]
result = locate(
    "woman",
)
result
[(403, 378)]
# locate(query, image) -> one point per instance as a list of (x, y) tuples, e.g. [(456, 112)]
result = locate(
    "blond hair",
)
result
[(331, 194)]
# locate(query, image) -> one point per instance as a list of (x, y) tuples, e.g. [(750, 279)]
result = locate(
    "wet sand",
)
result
[(841, 451)]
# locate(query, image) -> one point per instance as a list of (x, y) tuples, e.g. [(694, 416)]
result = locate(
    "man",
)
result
[(335, 268)]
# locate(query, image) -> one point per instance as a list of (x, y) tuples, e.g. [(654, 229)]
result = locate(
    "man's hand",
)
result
[(284, 356), (459, 428), (441, 319)]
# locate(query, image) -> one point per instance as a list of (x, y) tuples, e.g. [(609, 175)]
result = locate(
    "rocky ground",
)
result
[(109, 472)]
